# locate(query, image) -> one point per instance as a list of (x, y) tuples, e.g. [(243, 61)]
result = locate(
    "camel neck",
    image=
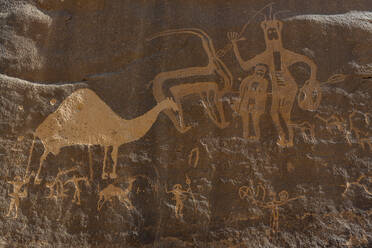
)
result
[(136, 128)]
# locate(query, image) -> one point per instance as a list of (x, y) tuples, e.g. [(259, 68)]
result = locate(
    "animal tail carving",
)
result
[(30, 155)]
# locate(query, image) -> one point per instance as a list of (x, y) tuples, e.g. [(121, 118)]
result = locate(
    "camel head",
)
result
[(131, 180), (171, 104)]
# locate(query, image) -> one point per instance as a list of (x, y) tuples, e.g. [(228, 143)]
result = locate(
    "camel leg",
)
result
[(42, 159), (114, 156), (90, 163), (104, 174)]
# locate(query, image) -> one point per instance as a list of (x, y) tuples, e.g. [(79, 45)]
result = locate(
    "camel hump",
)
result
[(78, 113)]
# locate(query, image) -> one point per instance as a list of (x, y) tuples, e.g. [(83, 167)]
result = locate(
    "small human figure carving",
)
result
[(111, 191), (251, 106), (359, 183), (75, 181), (362, 138), (17, 194), (332, 122), (179, 196), (258, 198), (56, 187)]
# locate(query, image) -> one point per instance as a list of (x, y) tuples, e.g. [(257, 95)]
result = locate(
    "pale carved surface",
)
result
[(128, 132)]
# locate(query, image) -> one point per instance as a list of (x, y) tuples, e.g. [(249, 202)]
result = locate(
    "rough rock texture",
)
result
[(213, 184)]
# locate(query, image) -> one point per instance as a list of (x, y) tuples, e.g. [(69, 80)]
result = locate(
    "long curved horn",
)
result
[(194, 31), (271, 13), (249, 21), (279, 12), (206, 40)]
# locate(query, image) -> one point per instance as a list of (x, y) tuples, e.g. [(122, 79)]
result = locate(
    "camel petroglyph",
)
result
[(75, 123)]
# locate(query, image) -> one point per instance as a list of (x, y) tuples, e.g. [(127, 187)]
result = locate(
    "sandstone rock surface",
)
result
[(194, 103)]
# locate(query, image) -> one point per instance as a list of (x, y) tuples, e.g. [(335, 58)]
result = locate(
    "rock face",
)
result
[(185, 123)]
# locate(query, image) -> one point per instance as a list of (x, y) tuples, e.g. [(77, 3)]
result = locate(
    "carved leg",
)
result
[(90, 163), (276, 219), (77, 197), (275, 117), (285, 111), (180, 210), (246, 131), (16, 212), (42, 159), (181, 123), (256, 125), (16, 206), (11, 205), (287, 121), (219, 107), (114, 156), (104, 174)]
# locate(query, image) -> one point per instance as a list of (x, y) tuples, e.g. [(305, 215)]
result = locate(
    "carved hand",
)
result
[(234, 37)]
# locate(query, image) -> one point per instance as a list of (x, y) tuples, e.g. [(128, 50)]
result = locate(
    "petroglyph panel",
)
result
[(185, 123)]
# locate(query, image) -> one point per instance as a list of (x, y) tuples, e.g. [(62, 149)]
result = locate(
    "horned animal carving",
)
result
[(84, 119), (111, 191), (209, 92)]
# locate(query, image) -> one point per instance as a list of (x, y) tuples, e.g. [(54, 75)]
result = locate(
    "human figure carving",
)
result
[(362, 138), (17, 194), (258, 198), (252, 101), (358, 182), (179, 196), (333, 122), (75, 181), (75, 123), (208, 91), (284, 87), (56, 187), (111, 191)]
